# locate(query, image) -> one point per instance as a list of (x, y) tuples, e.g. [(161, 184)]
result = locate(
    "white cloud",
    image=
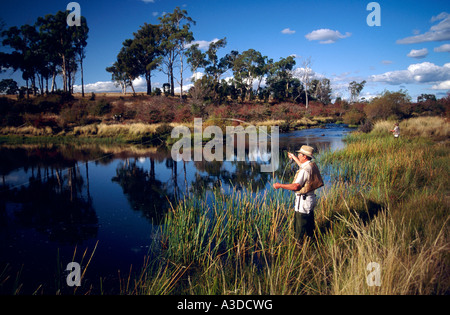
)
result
[(202, 44), (442, 86), (148, 1), (186, 88), (300, 72), (196, 76), (288, 31), (139, 84), (386, 62), (425, 72), (438, 32), (326, 36), (418, 54), (443, 48), (101, 86)]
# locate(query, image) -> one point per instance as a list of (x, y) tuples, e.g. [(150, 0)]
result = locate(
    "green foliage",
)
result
[(389, 105), (353, 117), (8, 86), (43, 49), (101, 108), (75, 114)]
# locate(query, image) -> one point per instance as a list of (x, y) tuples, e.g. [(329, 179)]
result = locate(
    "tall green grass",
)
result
[(387, 203)]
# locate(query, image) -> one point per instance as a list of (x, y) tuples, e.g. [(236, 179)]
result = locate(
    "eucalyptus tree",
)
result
[(128, 62), (215, 67), (61, 35), (355, 89), (46, 48), (322, 90), (306, 77), (280, 77), (195, 58), (146, 44), (119, 76), (8, 86), (249, 66), (65, 46), (49, 45), (175, 36), (79, 40), (24, 56)]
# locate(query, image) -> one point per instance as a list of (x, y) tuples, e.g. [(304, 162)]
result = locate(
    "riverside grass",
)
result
[(387, 203)]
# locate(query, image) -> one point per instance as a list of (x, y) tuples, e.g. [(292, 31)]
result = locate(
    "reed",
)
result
[(429, 127), (387, 202)]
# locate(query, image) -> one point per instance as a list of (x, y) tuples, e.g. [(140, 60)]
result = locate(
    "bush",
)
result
[(389, 105), (353, 117), (429, 127), (164, 130), (366, 127), (157, 92), (48, 104), (75, 114), (101, 108)]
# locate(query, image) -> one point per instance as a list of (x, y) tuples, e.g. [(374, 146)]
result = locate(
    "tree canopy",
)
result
[(43, 50)]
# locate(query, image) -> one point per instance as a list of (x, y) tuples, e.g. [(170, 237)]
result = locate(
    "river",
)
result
[(58, 203)]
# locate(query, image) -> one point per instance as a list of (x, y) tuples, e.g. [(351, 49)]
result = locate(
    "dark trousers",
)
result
[(303, 225)]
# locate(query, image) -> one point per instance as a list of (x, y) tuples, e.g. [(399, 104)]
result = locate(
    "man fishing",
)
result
[(306, 181)]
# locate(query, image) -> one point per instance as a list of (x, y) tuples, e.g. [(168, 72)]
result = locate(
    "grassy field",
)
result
[(387, 204)]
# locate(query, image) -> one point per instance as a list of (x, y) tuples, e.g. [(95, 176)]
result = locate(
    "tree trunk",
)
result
[(82, 78), (28, 93), (64, 70), (148, 78), (306, 94), (181, 77), (53, 81), (132, 87), (172, 88)]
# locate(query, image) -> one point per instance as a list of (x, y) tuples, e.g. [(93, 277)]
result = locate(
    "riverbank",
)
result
[(381, 228), (135, 133), (385, 206)]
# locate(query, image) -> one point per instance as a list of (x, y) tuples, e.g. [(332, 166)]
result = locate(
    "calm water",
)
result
[(57, 202)]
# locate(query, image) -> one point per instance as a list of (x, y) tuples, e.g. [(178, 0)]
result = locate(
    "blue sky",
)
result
[(410, 50)]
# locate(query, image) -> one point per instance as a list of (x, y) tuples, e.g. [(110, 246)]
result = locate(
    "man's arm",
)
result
[(296, 160), (293, 187), (298, 183)]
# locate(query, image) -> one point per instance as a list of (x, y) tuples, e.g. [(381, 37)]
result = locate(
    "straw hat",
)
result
[(306, 150)]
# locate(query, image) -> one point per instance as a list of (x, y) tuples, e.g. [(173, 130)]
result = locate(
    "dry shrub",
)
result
[(433, 127)]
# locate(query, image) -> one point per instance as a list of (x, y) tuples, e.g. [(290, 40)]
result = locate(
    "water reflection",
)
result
[(54, 196), (52, 201), (144, 192)]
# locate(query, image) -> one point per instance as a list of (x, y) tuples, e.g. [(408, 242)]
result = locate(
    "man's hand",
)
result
[(276, 185)]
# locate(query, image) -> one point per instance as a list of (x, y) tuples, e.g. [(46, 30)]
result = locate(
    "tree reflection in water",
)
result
[(144, 192), (61, 206), (52, 201)]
